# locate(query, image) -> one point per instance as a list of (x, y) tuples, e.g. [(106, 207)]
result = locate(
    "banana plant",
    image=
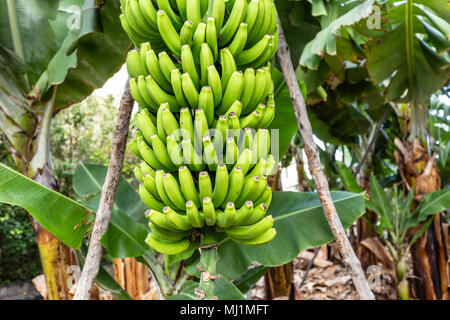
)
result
[(410, 55), (49, 59), (396, 219), (298, 216)]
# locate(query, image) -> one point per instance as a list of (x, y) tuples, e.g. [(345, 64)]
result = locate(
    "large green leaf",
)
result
[(62, 216), (340, 13), (300, 224), (406, 54), (127, 230), (434, 202), (77, 44)]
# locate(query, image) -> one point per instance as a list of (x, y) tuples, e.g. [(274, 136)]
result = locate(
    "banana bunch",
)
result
[(167, 143), (175, 233), (202, 78), (247, 28), (157, 79)]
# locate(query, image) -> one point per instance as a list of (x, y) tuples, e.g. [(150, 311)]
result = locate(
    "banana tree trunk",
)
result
[(133, 277), (429, 253), (33, 159), (279, 281)]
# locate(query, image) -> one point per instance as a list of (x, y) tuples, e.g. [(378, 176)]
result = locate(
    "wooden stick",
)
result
[(103, 216), (345, 248)]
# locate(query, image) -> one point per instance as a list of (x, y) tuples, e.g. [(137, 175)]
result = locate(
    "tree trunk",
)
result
[(279, 281), (429, 253), (132, 276), (55, 256)]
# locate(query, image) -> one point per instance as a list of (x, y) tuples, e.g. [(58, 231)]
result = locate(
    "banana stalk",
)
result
[(207, 265)]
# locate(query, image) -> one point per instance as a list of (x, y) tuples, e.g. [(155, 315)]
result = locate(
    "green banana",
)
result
[(134, 90), (168, 32), (138, 174), (264, 238), (206, 60), (154, 68), (248, 87), (230, 214), (177, 87), (167, 247), (259, 212), (233, 91), (198, 39), (187, 33), (239, 40), (174, 151), (235, 184), (149, 156), (259, 189), (245, 161), (252, 120), (236, 108), (250, 231), (204, 185), (159, 123), (249, 187), (174, 18), (251, 15), (236, 17), (150, 185), (201, 127), (243, 213), (173, 191), (209, 212), (159, 95), (168, 235), (206, 103), (196, 219), (190, 156), (182, 9), (228, 66), (145, 124), (161, 152), (266, 197), (186, 124), (176, 220), (143, 91), (220, 185), (261, 144), (217, 11), (149, 12), (193, 11), (268, 116), (231, 152), (221, 132), (148, 199), (170, 123), (258, 93), (188, 186), (210, 154), (211, 37), (188, 65), (166, 64), (189, 90), (249, 55), (159, 176), (159, 219), (135, 67), (134, 148), (234, 122), (135, 37), (215, 83), (146, 169), (145, 47)]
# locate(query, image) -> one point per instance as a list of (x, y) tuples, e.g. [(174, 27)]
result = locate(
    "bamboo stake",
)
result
[(103, 216), (304, 126)]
